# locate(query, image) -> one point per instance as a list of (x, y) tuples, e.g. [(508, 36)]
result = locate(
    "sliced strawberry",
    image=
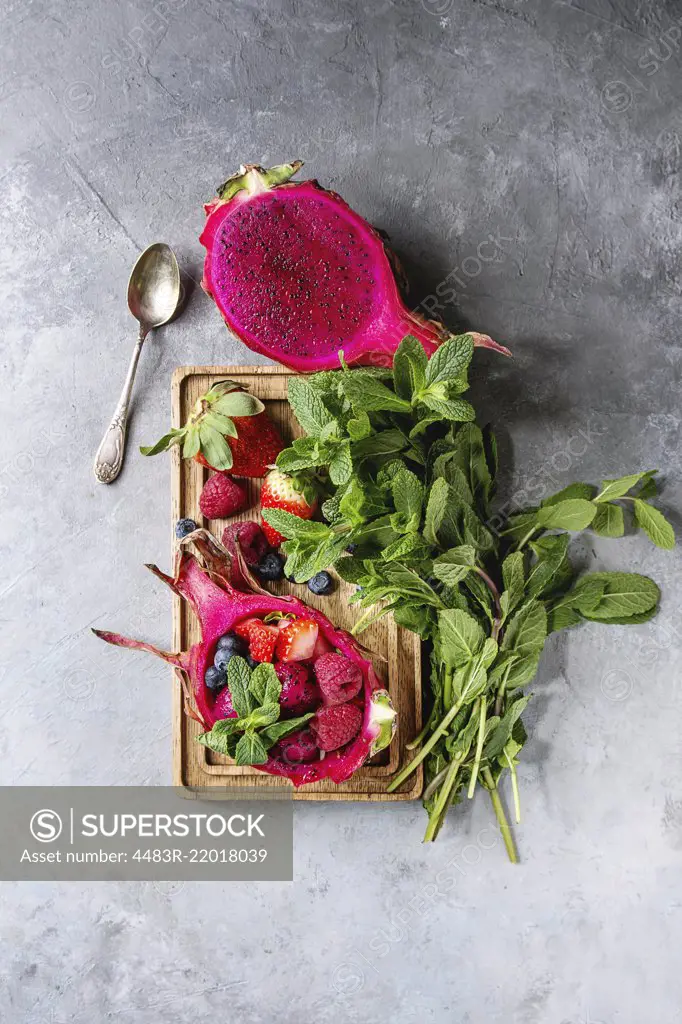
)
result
[(262, 641), (322, 646), (296, 642), (243, 628)]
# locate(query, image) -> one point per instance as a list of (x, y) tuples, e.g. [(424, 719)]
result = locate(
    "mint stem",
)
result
[(441, 807), (428, 746), (527, 538), (422, 733), (515, 788), (479, 747), (500, 815)]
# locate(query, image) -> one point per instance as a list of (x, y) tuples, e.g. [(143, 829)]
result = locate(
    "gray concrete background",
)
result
[(556, 128)]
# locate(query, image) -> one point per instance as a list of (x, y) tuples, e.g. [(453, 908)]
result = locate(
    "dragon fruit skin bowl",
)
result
[(209, 585)]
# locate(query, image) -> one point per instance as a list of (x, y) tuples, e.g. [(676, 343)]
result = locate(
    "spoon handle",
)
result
[(109, 458)]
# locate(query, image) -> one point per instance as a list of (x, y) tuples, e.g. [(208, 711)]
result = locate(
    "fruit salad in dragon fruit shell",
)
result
[(273, 683)]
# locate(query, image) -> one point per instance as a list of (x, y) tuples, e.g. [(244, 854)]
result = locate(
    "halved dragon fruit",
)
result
[(298, 275), (210, 588)]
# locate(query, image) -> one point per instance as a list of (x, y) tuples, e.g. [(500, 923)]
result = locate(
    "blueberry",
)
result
[(322, 583), (271, 566), (183, 527), (221, 659), (251, 661), (351, 549), (232, 643), (215, 678)]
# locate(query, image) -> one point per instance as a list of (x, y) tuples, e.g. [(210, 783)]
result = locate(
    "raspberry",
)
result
[(251, 540), (339, 678), (335, 726), (221, 497), (299, 692)]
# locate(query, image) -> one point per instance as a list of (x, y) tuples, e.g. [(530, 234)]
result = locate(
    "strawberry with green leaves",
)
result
[(228, 430), (281, 491)]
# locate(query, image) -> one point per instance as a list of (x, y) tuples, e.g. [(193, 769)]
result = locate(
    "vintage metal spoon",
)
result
[(153, 297)]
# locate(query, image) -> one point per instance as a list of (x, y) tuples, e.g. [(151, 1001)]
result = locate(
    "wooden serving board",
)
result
[(398, 660)]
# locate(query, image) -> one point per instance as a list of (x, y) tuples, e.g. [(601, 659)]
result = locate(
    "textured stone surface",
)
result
[(551, 128)]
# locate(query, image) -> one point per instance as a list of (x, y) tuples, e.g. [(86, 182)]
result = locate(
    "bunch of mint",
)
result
[(408, 480), (257, 727)]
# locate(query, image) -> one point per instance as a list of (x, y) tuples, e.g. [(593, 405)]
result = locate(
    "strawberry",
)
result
[(228, 430), (333, 727), (243, 628), (322, 646), (296, 641), (282, 491), (254, 449), (221, 497), (262, 641)]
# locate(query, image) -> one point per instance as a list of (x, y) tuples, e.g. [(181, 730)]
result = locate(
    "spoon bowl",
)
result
[(153, 297), (154, 286)]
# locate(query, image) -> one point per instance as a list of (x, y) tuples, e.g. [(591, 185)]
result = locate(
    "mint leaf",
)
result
[(307, 405), (570, 514), (435, 510), (267, 714), (409, 367), (526, 631), (513, 670), (274, 733), (250, 749), (367, 394), (293, 527), (551, 557), (450, 359), (385, 442), (654, 524), (238, 676), (609, 521), (456, 409), (264, 684), (617, 488), (454, 565), (497, 741), (341, 464), (624, 594), (513, 577), (406, 582), (469, 454), (408, 496), (585, 491), (461, 637)]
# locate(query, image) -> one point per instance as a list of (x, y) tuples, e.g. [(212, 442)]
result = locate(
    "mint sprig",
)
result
[(257, 727), (408, 480)]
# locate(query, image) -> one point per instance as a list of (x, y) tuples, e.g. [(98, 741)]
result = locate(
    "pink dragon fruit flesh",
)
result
[(299, 276), (208, 584)]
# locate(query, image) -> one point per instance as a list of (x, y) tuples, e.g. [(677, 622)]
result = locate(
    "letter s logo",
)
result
[(46, 826)]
